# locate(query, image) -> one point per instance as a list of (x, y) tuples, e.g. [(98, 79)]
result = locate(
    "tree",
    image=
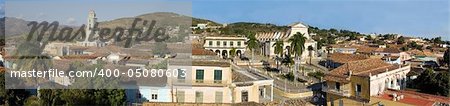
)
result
[(252, 43), (233, 52), (437, 40), (298, 46), (447, 57), (433, 83), (30, 57), (32, 101), (50, 97), (160, 49), (401, 40), (310, 49), (278, 45), (425, 81), (11, 97), (369, 37), (287, 61)]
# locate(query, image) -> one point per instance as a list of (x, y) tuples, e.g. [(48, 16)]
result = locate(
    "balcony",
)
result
[(340, 92), (198, 81), (218, 81)]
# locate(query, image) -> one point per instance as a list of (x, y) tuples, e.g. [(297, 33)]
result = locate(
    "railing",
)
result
[(336, 91), (181, 80), (199, 81), (218, 81), (291, 90)]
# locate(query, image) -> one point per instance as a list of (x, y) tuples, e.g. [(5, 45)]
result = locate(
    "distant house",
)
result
[(358, 82), (343, 49), (200, 26), (222, 45), (392, 54), (392, 59)]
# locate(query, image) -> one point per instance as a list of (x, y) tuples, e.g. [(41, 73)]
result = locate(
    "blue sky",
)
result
[(424, 18)]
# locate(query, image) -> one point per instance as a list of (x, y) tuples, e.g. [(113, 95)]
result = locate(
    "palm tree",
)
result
[(287, 61), (278, 50), (252, 43), (310, 49), (298, 46), (30, 58), (233, 52)]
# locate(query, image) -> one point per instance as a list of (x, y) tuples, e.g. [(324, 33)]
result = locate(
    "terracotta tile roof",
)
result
[(202, 52), (392, 57), (388, 50), (263, 36), (345, 58), (359, 68), (420, 53), (414, 98), (391, 50), (78, 48), (238, 77), (211, 63), (365, 49)]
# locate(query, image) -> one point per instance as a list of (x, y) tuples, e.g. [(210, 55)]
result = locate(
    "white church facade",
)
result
[(268, 40)]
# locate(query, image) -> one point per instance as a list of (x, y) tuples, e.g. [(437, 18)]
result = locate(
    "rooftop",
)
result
[(362, 68), (389, 50), (345, 58), (414, 98)]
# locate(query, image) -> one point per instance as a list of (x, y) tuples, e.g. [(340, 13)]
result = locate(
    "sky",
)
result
[(421, 18)]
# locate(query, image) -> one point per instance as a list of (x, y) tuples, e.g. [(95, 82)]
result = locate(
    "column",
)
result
[(271, 92)]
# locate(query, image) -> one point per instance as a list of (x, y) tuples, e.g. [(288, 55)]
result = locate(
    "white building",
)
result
[(208, 79), (222, 45)]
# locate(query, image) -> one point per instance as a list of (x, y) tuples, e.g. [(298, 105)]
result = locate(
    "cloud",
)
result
[(2, 9), (41, 15), (71, 21)]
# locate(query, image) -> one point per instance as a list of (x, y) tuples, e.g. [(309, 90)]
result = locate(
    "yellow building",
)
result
[(210, 80), (354, 83)]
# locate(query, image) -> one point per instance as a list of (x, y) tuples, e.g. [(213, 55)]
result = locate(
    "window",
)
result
[(199, 75), (219, 96), (154, 95), (261, 92), (238, 43), (244, 96), (224, 43), (392, 83), (217, 76), (338, 86), (210, 43), (218, 43), (358, 90), (386, 85), (231, 43), (180, 96), (198, 97), (181, 75)]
